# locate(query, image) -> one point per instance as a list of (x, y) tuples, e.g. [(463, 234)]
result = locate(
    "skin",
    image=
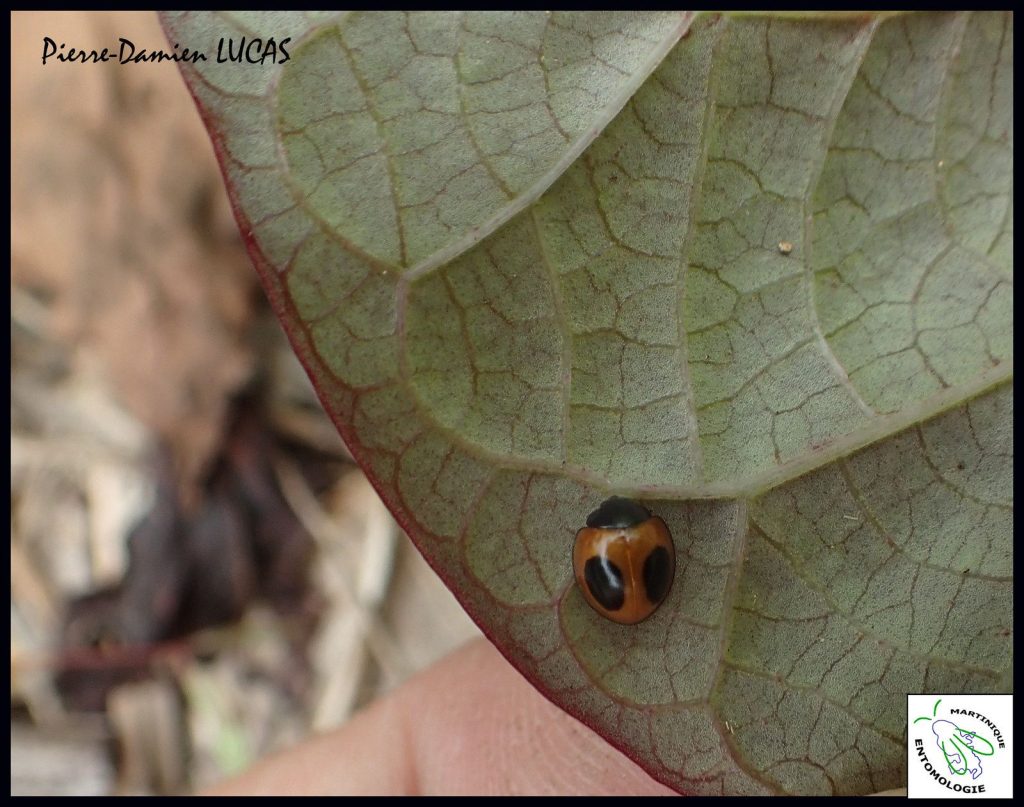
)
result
[(469, 725), (445, 732)]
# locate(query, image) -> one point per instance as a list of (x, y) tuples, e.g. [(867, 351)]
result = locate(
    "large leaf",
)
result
[(753, 270)]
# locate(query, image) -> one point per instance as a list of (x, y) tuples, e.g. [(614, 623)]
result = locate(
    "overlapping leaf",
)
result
[(755, 270)]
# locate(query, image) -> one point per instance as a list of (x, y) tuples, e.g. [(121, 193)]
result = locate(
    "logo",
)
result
[(959, 746)]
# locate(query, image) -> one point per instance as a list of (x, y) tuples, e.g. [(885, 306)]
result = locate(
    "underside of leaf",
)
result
[(753, 270)]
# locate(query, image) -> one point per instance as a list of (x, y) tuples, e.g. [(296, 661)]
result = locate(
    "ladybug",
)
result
[(624, 561)]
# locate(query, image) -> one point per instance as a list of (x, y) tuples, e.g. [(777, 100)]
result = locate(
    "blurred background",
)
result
[(200, 575)]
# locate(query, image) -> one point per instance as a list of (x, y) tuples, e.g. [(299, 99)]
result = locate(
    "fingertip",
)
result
[(469, 725), (365, 756), (512, 739)]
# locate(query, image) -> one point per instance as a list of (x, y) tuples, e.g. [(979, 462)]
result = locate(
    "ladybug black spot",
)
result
[(604, 579), (657, 574)]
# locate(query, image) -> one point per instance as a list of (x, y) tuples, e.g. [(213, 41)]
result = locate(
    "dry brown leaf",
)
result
[(118, 217)]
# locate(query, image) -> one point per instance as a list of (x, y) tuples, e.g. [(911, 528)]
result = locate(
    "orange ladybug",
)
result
[(624, 561)]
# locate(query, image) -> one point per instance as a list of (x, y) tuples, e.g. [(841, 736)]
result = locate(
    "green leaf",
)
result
[(754, 270)]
